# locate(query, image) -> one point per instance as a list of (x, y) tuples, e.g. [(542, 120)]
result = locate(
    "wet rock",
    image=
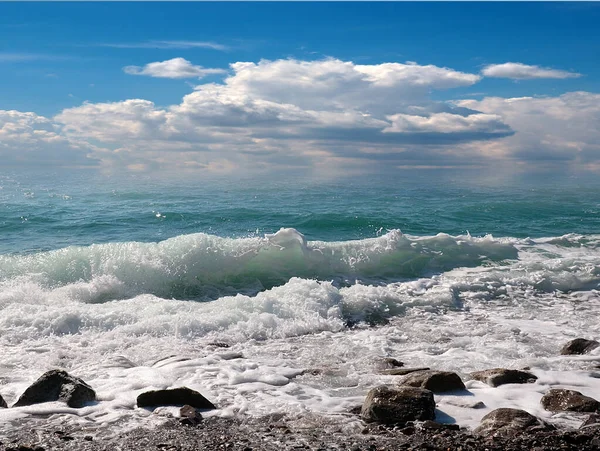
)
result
[(389, 362), (2, 403), (559, 400), (189, 416), (508, 422), (174, 397), (401, 371), (398, 405), (436, 381), (501, 376), (57, 385), (579, 346)]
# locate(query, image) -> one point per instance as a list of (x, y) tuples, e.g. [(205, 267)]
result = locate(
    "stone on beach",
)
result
[(57, 385), (500, 376), (579, 346), (436, 381), (189, 416), (174, 397), (398, 405), (507, 422), (560, 400)]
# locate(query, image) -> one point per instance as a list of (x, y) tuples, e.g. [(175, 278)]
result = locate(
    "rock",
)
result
[(501, 376), (174, 397), (389, 362), (436, 381), (57, 385), (559, 400), (579, 346), (398, 405), (508, 422), (401, 371), (189, 416), (2, 403)]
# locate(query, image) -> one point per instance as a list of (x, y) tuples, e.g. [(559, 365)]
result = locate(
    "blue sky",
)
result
[(68, 63)]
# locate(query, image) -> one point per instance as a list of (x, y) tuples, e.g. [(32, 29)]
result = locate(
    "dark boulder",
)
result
[(436, 381), (2, 403), (560, 400), (398, 405), (501, 376), (174, 397), (509, 422), (579, 346), (57, 385)]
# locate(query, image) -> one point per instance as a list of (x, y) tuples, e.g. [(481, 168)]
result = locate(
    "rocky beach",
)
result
[(402, 415)]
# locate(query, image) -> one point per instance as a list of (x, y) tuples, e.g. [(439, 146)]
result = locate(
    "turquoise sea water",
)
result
[(44, 211)]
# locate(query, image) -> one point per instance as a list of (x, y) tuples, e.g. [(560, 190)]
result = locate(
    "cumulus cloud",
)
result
[(563, 129), (173, 68), (324, 114), (286, 112), (29, 139), (519, 71)]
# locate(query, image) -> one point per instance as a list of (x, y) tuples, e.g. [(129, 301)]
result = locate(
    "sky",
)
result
[(313, 87)]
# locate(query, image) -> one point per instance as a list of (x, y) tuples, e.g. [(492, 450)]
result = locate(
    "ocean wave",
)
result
[(201, 266)]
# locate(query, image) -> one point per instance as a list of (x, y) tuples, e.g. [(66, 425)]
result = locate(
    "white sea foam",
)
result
[(470, 304)]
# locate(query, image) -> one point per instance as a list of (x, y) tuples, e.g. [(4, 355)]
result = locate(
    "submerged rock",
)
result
[(388, 362), (189, 416), (398, 405), (579, 346), (174, 397), (560, 400), (436, 381), (57, 385), (500, 376), (509, 422)]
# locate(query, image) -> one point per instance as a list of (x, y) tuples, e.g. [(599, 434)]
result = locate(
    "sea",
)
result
[(284, 294)]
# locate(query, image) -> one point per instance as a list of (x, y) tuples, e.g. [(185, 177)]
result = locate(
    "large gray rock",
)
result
[(509, 422), (174, 397), (560, 400), (57, 385), (579, 346), (501, 376), (436, 381), (398, 405)]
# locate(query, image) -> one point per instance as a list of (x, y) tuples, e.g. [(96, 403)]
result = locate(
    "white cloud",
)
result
[(173, 68), (446, 123), (29, 139), (563, 129), (519, 71), (321, 114)]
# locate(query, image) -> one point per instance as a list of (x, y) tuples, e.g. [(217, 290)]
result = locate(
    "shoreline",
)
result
[(283, 434)]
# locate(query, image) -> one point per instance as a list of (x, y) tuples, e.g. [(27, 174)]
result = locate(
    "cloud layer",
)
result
[(329, 115)]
